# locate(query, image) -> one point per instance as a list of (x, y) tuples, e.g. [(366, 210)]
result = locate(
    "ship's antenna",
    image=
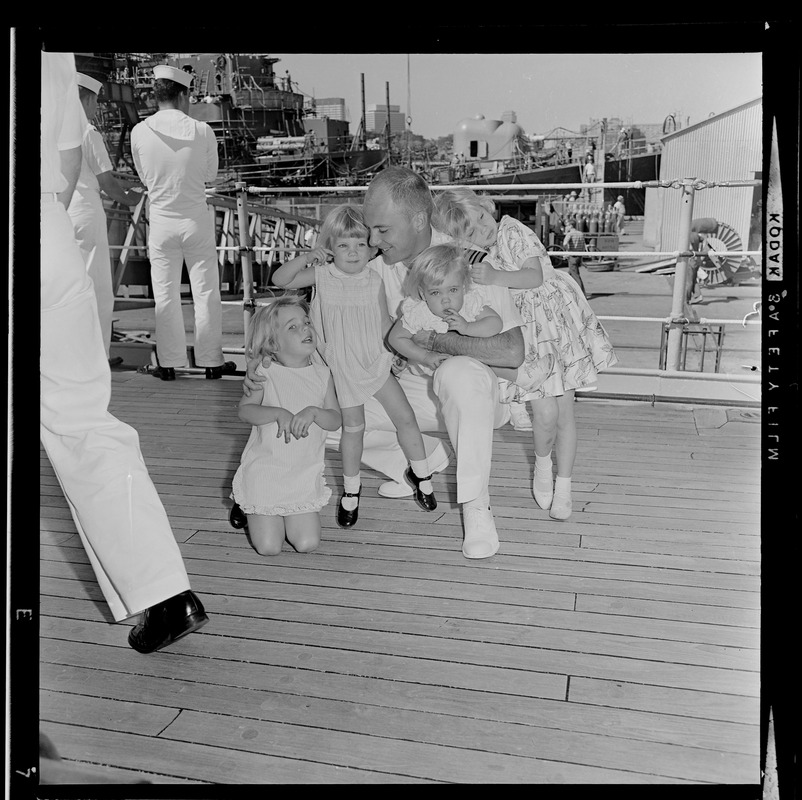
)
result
[(409, 113)]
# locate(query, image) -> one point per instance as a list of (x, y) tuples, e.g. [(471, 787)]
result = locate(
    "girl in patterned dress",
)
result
[(279, 487), (351, 317), (559, 320)]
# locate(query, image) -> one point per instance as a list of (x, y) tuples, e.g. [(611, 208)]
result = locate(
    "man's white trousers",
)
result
[(460, 400)]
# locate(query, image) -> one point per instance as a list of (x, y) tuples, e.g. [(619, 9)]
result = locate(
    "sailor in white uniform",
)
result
[(175, 157), (96, 457), (86, 207)]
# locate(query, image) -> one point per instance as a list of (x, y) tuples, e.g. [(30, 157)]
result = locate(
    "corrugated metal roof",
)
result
[(710, 120), (725, 147)]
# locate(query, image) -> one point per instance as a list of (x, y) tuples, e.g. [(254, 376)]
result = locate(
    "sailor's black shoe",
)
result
[(346, 518), (167, 622), (237, 517), (213, 373), (427, 502), (165, 373)]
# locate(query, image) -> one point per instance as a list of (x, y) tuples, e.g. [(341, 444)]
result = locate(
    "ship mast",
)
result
[(362, 125)]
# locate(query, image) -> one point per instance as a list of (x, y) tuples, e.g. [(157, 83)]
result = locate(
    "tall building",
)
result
[(331, 107), (376, 118)]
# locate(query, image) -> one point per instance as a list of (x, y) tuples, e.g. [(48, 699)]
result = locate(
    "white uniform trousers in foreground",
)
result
[(461, 400), (117, 511), (171, 241)]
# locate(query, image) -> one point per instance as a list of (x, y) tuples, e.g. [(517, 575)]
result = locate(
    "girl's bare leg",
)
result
[(395, 403), (351, 439), (303, 531), (545, 412), (351, 444), (565, 450), (267, 533), (566, 442)]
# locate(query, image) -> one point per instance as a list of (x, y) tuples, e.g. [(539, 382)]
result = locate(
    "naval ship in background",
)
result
[(267, 132)]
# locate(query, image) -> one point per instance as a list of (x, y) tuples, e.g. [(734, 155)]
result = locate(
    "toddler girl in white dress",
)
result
[(351, 317)]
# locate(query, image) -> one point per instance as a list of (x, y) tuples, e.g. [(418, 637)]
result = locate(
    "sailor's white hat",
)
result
[(172, 74), (89, 83)]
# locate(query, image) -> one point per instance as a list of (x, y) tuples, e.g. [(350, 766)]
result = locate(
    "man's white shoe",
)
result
[(395, 490), (481, 536), (519, 417)]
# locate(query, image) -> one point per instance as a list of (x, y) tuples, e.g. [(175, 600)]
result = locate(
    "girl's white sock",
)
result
[(543, 463), (351, 484), (562, 486), (421, 470)]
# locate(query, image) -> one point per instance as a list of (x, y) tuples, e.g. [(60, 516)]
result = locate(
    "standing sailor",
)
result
[(117, 512), (175, 157), (86, 207)]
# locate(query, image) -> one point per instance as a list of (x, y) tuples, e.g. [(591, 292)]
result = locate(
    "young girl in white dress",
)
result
[(279, 485), (351, 317), (559, 320)]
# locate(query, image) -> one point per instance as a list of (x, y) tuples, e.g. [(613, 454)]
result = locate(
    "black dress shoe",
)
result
[(345, 518), (427, 502), (237, 517), (167, 622), (213, 373), (165, 373)]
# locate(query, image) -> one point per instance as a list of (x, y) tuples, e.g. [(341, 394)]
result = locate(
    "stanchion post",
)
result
[(680, 276), (248, 304)]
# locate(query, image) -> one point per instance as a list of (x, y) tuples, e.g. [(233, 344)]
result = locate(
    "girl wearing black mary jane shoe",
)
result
[(350, 311), (279, 487)]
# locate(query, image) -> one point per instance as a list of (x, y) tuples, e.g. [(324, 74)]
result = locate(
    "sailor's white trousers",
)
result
[(171, 242), (118, 513)]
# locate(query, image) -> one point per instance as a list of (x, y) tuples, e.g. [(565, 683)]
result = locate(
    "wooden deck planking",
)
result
[(620, 646)]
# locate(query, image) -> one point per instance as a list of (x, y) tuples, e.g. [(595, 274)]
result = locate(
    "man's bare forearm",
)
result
[(505, 349)]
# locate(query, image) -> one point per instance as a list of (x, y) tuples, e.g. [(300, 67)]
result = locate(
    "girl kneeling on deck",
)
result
[(559, 321), (351, 316), (279, 484)]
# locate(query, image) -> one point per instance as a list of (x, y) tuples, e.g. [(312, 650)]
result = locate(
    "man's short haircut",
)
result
[(165, 90), (406, 188), (433, 265)]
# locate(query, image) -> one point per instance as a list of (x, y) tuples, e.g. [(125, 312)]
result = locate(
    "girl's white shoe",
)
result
[(542, 488), (560, 506)]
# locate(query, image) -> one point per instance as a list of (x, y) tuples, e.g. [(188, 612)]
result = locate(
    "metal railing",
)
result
[(676, 322)]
